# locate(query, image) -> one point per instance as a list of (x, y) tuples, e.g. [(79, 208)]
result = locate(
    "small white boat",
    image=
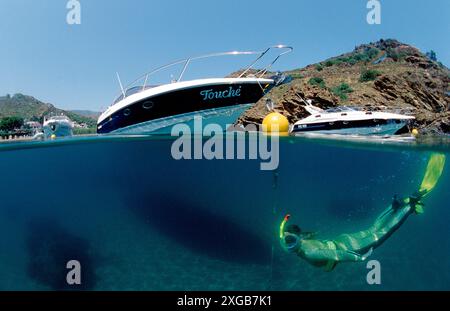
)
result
[(347, 120), (58, 126)]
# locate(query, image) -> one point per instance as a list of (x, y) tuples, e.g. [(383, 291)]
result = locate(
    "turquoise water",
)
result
[(138, 220)]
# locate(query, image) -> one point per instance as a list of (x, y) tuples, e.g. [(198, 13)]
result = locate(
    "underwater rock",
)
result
[(202, 231), (50, 247)]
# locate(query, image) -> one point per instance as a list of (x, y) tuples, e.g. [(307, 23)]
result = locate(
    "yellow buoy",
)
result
[(415, 132), (275, 123), (53, 136)]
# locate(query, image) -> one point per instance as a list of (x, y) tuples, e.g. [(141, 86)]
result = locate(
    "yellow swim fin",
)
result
[(433, 173)]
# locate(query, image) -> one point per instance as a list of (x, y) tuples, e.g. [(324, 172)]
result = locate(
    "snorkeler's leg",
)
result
[(335, 255), (392, 218), (376, 234)]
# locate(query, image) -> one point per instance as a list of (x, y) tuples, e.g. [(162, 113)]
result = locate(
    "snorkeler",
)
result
[(359, 246)]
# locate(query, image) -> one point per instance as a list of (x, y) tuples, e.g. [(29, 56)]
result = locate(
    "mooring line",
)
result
[(274, 212)]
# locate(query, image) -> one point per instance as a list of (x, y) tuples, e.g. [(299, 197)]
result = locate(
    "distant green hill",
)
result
[(87, 113), (31, 109)]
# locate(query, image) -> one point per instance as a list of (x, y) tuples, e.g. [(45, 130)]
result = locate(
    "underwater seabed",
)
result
[(138, 220)]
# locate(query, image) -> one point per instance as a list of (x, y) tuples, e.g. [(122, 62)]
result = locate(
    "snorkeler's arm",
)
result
[(309, 235), (335, 255)]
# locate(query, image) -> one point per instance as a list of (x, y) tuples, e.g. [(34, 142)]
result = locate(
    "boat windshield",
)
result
[(140, 84), (343, 109), (133, 90), (59, 117)]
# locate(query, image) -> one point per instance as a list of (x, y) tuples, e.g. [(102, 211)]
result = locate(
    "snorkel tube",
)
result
[(283, 225), (288, 241)]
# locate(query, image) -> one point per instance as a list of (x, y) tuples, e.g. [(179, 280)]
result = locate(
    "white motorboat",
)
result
[(57, 126), (350, 121), (143, 108)]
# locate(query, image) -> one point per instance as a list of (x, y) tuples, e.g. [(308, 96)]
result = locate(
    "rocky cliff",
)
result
[(385, 75)]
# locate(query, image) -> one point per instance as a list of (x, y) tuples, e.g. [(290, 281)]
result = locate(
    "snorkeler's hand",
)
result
[(367, 255), (364, 256), (359, 257)]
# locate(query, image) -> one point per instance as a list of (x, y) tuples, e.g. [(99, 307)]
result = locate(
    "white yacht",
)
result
[(142, 108), (57, 126), (350, 121)]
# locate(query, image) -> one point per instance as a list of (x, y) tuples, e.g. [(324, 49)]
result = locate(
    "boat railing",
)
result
[(133, 87)]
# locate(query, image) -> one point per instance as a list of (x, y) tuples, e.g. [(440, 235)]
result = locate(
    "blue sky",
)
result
[(74, 66)]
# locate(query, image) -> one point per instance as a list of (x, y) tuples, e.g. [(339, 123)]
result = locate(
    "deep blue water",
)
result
[(138, 220)]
